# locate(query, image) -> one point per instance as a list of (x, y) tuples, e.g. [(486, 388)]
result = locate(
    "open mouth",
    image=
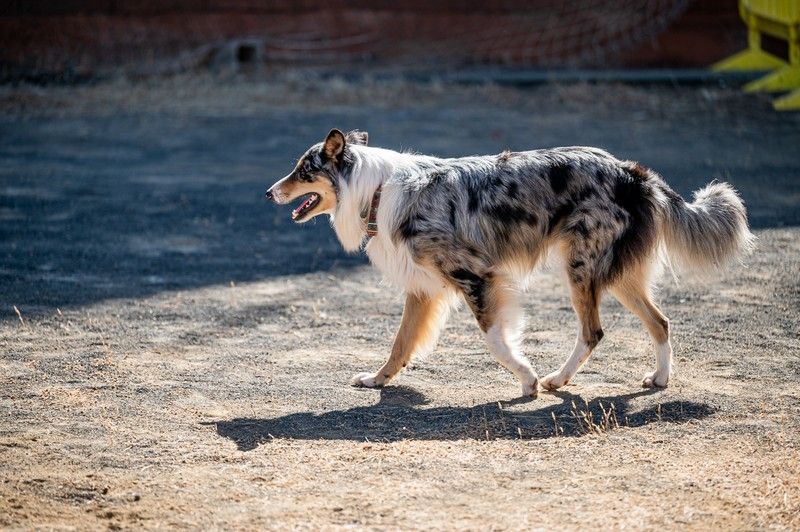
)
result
[(310, 201)]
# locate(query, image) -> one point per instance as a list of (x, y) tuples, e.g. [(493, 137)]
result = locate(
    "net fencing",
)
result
[(409, 34), (581, 33)]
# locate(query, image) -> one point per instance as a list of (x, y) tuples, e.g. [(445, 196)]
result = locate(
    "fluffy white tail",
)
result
[(708, 232)]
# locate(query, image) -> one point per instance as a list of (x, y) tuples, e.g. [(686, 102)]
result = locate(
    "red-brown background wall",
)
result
[(94, 34)]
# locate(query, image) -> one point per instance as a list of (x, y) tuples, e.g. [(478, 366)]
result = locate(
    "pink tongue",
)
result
[(303, 205)]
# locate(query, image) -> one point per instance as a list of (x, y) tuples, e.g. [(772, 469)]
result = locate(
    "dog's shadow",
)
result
[(400, 414)]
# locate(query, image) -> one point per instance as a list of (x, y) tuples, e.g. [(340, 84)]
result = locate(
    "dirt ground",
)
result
[(174, 353)]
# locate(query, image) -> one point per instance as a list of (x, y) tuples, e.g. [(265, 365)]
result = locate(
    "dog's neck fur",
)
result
[(372, 168)]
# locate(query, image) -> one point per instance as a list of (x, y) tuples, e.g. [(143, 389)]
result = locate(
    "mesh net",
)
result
[(581, 33), (414, 33)]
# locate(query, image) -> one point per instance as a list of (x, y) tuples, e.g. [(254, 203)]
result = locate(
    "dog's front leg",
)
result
[(423, 319)]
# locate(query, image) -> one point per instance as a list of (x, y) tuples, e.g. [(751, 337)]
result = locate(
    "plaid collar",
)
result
[(370, 218)]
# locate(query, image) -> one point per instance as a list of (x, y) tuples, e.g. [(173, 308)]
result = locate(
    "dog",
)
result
[(474, 229)]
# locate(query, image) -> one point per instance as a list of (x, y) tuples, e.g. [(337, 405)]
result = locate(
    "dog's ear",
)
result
[(334, 144), (357, 137)]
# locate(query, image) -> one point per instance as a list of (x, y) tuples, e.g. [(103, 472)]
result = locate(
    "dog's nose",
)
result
[(269, 195)]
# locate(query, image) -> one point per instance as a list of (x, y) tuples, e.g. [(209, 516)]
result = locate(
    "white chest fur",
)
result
[(399, 268)]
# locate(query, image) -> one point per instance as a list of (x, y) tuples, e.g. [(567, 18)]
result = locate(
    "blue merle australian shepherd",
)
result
[(474, 228)]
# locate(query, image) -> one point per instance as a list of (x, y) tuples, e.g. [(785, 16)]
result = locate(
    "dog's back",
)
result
[(607, 215)]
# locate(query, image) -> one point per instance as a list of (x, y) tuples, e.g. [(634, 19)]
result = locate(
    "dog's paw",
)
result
[(654, 380), (553, 381), (366, 380), (531, 389)]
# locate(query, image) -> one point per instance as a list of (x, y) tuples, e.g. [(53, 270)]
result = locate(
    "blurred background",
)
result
[(137, 137), (74, 39)]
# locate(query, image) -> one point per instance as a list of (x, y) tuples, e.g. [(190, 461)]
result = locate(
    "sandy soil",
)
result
[(181, 353)]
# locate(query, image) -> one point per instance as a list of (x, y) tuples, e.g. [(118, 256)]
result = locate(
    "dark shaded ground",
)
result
[(377, 422), (119, 191)]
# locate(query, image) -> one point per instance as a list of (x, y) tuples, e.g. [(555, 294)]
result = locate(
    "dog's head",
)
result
[(317, 177)]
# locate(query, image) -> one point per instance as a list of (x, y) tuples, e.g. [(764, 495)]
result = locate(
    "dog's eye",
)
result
[(305, 175)]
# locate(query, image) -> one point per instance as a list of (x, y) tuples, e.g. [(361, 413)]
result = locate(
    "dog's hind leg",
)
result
[(633, 292), (496, 307), (585, 301), (423, 319)]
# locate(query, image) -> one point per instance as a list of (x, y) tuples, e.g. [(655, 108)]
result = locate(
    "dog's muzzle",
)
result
[(272, 196)]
